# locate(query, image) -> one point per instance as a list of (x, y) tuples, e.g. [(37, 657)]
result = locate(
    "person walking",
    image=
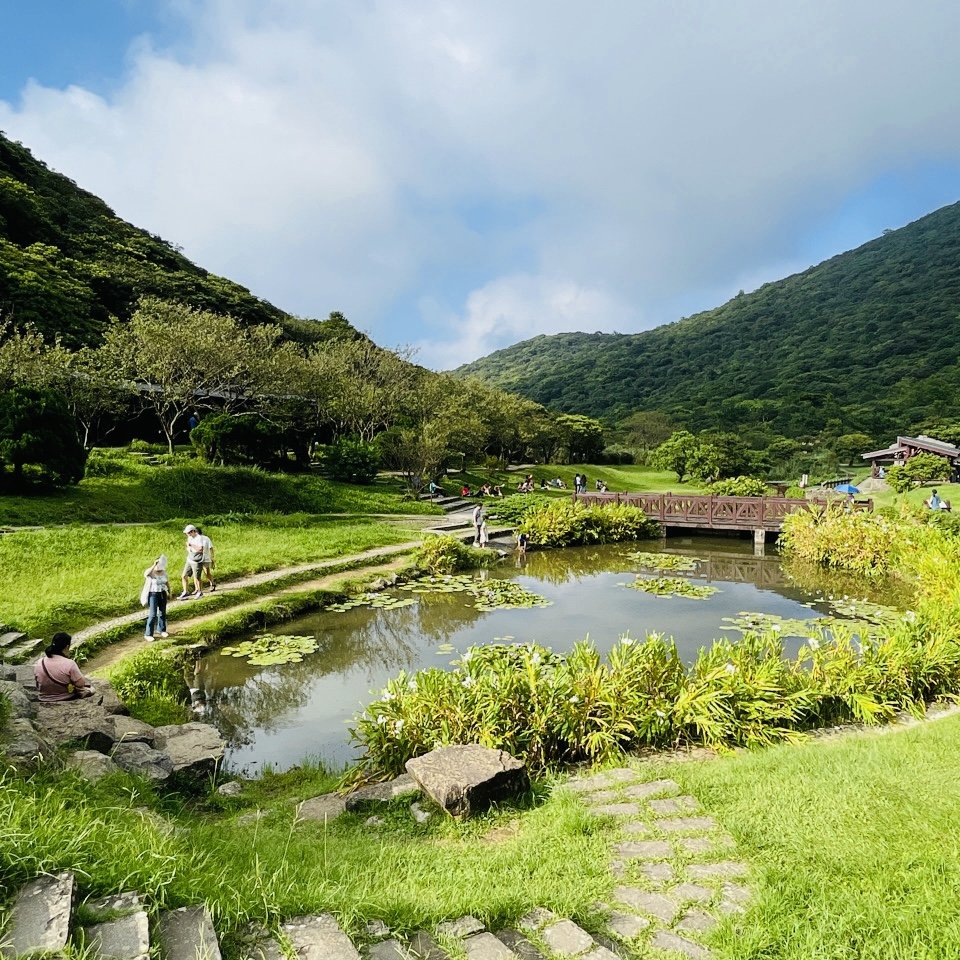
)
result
[(156, 589), (206, 562), (477, 522), (191, 567), (58, 677), (483, 536)]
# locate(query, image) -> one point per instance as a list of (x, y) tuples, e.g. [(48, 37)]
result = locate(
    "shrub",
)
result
[(239, 439), (562, 523), (443, 554), (796, 493), (858, 541), (143, 446), (352, 461), (739, 487), (514, 508), (153, 687)]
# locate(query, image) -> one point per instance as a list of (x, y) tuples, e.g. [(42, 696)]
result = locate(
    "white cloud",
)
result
[(378, 158)]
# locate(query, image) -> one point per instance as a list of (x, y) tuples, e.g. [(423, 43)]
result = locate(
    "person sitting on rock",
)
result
[(58, 677)]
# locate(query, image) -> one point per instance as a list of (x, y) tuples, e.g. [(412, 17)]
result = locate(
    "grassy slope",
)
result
[(69, 577), (854, 841), (629, 478)]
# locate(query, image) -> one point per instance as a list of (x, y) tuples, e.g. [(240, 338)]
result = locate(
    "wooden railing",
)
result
[(708, 512)]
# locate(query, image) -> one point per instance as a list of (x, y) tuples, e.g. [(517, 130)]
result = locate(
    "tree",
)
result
[(675, 453), (582, 436), (36, 429), (849, 446), (646, 429), (181, 358), (920, 468)]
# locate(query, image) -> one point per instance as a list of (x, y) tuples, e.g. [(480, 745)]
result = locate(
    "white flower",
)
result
[(398, 726), (412, 685), (535, 659), (467, 657), (468, 681), (574, 699), (387, 695), (381, 719), (813, 644), (660, 714), (910, 616), (626, 641), (776, 627), (730, 668)]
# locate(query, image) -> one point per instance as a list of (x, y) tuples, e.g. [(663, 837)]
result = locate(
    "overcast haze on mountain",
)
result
[(461, 176)]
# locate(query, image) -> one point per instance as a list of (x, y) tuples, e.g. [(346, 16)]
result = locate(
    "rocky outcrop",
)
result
[(467, 778)]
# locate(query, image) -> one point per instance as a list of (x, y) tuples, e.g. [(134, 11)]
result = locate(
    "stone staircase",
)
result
[(15, 646)]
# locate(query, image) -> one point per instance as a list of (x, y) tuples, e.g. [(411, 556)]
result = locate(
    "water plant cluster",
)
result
[(377, 601), (672, 587), (664, 562), (270, 649), (489, 594), (563, 523)]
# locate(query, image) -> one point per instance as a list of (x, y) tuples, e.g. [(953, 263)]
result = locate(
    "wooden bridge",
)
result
[(762, 515)]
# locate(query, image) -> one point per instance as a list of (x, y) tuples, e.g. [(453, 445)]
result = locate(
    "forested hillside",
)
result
[(867, 338), (68, 263)]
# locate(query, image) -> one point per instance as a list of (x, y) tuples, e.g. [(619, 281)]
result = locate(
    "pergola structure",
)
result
[(905, 447)]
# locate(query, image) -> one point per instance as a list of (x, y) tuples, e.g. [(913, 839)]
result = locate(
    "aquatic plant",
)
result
[(666, 562), (672, 587), (566, 524), (270, 649)]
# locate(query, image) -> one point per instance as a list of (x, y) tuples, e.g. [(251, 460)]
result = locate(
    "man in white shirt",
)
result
[(193, 567)]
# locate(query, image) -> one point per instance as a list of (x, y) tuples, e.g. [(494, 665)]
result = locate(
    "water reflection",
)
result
[(283, 713)]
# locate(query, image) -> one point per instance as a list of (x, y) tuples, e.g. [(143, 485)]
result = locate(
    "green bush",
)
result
[(514, 508), (563, 523), (239, 439), (351, 461), (443, 554), (860, 541), (143, 446), (152, 685), (739, 487)]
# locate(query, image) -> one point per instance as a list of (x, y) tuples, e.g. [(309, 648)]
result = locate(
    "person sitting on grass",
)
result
[(465, 490), (434, 489), (58, 677)]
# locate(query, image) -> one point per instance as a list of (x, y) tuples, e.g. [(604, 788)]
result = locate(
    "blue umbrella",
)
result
[(846, 488)]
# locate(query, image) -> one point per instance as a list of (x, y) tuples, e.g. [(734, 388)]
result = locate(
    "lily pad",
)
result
[(271, 649), (672, 587)]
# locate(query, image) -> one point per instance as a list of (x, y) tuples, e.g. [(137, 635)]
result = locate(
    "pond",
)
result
[(283, 713)]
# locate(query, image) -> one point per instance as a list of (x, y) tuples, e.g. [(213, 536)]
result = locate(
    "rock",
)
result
[(22, 708), (195, 749), (377, 794), (40, 917), (627, 925), (652, 788), (687, 824), (725, 868), (460, 928), (566, 939), (519, 944), (419, 814), (644, 849), (655, 904), (637, 829), (672, 805), (657, 872), (322, 808), (232, 788), (319, 938), (256, 943), (128, 730), (423, 945), (467, 778), (11, 638), (692, 891), (91, 765), (374, 822), (81, 722), (123, 938), (697, 921), (24, 747), (485, 946), (122, 903), (106, 697), (617, 810), (143, 760), (536, 919), (663, 940), (385, 950), (188, 934), (377, 930)]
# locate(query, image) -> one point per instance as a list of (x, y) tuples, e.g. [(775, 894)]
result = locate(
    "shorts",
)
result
[(191, 568)]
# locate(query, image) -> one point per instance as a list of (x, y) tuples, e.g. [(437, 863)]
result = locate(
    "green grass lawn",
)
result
[(854, 842), (64, 578), (629, 478)]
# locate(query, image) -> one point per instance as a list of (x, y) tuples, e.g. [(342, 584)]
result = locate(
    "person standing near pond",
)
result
[(477, 522), (206, 560), (58, 677), (191, 567), (156, 589)]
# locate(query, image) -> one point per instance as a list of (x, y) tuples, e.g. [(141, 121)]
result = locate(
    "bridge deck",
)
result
[(707, 512)]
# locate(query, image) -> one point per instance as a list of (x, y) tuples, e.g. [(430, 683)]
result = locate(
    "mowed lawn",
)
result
[(855, 843), (65, 578)]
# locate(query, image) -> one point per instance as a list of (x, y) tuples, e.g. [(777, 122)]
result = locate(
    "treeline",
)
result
[(862, 343), (262, 399)]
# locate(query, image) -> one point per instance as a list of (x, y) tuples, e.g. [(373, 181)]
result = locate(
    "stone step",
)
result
[(187, 934), (319, 938), (11, 637), (29, 648), (40, 917), (124, 931)]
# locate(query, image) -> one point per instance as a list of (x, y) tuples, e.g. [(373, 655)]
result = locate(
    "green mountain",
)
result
[(68, 263), (866, 341)]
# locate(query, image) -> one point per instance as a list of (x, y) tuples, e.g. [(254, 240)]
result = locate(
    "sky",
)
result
[(459, 175)]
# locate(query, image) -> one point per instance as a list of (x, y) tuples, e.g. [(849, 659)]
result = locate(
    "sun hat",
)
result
[(189, 527)]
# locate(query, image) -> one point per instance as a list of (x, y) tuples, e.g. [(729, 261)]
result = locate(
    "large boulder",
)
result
[(90, 764), (81, 722), (128, 730), (467, 778), (23, 746), (195, 749), (20, 703), (140, 758), (375, 795)]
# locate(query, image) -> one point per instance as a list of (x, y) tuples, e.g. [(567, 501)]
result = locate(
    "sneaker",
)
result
[(183, 596), (199, 593), (213, 587), (164, 634), (148, 638)]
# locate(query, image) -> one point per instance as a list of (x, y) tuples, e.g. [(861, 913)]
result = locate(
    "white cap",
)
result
[(188, 528)]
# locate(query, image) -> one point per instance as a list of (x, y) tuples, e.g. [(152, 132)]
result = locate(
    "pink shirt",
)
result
[(61, 670)]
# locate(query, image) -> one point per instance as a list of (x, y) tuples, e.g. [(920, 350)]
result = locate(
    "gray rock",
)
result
[(418, 813), (122, 903), (22, 707), (385, 950), (658, 872), (627, 925), (374, 822), (695, 845), (724, 868), (80, 722), (126, 730), (663, 940), (123, 938), (536, 919), (735, 892), (10, 638), (644, 849), (423, 945), (600, 796), (319, 938), (90, 764), (106, 697), (600, 953), (617, 810), (637, 829), (328, 806), (256, 943), (655, 904), (687, 824), (377, 929), (467, 778), (692, 892), (460, 928), (187, 934), (641, 791), (195, 749), (143, 760), (232, 788), (518, 944), (667, 806), (24, 747), (377, 794), (566, 939), (485, 946), (40, 917), (697, 921)]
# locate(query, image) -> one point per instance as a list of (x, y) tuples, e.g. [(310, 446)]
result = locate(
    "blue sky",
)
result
[(463, 176)]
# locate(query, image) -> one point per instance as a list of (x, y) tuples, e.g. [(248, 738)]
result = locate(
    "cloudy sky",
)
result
[(461, 175)]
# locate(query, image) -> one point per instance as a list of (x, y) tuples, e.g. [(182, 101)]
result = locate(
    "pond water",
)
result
[(284, 713)]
